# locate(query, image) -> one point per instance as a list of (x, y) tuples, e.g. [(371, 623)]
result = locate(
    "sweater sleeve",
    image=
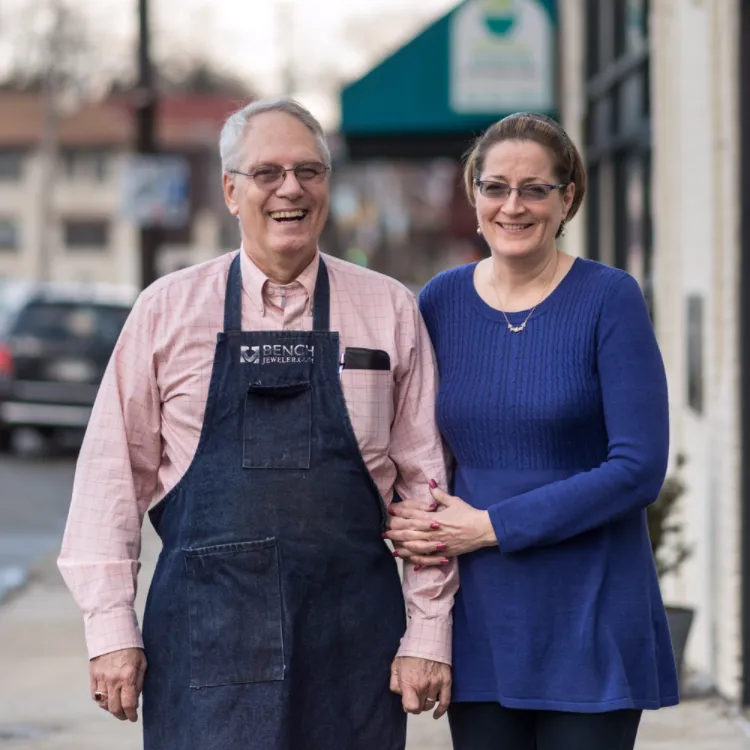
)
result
[(634, 395)]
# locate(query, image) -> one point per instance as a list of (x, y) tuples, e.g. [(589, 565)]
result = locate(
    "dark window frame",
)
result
[(16, 233), (16, 159), (619, 137), (744, 336), (85, 165), (74, 231)]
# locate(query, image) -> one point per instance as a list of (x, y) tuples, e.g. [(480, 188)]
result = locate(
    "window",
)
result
[(11, 166), (82, 234), (634, 26), (619, 137), (8, 234), (695, 353), (84, 165)]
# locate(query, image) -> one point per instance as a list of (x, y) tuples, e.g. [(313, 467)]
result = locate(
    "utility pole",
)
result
[(285, 45), (49, 151), (145, 116)]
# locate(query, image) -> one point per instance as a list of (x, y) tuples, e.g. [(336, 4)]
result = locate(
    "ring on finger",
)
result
[(100, 697)]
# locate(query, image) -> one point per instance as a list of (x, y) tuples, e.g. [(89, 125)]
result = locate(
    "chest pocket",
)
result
[(277, 426), (369, 400)]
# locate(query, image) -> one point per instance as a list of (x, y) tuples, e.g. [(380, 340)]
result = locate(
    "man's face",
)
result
[(284, 220)]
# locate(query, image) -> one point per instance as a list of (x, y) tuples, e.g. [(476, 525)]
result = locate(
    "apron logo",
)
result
[(277, 354), (250, 354)]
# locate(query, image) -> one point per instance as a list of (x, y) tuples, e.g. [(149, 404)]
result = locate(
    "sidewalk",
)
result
[(44, 692)]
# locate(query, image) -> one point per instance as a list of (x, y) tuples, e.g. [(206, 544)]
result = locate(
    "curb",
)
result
[(17, 578), (12, 579)]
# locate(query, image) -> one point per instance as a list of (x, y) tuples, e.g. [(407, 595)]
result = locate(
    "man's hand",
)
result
[(421, 683), (118, 677)]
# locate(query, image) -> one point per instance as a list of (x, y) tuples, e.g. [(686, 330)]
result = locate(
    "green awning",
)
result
[(483, 60)]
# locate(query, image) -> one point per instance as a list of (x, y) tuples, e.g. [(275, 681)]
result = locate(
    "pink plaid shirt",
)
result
[(147, 419)]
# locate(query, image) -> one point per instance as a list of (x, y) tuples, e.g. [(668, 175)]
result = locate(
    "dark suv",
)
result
[(55, 342)]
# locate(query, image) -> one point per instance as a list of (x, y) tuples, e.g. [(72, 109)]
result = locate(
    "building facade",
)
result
[(652, 92), (62, 217)]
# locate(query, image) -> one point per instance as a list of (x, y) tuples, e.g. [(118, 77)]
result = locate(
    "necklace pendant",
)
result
[(517, 329)]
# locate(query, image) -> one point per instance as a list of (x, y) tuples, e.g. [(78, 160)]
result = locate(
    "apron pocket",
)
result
[(278, 421), (234, 603)]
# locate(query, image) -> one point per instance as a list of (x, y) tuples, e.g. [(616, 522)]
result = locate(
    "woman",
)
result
[(553, 400)]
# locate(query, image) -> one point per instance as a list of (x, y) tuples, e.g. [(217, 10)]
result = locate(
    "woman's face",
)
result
[(288, 219), (517, 226)]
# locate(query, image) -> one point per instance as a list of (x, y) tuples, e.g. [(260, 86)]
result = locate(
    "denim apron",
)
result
[(276, 608)]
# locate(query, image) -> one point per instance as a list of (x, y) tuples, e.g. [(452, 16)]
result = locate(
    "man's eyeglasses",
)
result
[(501, 191), (272, 176)]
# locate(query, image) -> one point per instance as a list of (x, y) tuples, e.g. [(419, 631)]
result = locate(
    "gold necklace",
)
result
[(520, 328)]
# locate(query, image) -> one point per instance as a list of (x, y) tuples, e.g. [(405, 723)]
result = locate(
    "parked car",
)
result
[(55, 342)]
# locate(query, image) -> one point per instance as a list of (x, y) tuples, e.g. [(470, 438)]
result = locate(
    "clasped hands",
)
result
[(450, 528)]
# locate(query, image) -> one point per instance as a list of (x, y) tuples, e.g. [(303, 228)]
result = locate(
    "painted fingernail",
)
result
[(395, 553), (391, 512), (433, 506), (434, 525), (433, 484), (385, 536), (417, 567), (441, 547)]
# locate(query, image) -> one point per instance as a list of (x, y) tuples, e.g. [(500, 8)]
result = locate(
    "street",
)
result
[(44, 699), (34, 498)]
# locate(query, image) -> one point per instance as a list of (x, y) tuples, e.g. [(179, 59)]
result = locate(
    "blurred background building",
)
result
[(72, 222)]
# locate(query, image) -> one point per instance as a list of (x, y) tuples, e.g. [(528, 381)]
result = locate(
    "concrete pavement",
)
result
[(34, 499), (45, 705)]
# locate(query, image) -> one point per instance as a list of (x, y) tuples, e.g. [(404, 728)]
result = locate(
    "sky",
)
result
[(324, 41)]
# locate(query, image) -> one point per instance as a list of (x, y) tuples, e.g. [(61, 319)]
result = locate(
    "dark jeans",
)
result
[(490, 726)]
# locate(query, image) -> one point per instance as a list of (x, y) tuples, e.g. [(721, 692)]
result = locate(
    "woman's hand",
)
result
[(431, 537)]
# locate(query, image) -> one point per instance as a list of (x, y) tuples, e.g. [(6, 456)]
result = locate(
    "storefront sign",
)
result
[(502, 55)]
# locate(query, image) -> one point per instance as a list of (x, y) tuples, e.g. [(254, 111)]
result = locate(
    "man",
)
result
[(271, 400)]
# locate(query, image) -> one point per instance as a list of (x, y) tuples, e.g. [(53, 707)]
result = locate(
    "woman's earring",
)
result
[(479, 229), (562, 227)]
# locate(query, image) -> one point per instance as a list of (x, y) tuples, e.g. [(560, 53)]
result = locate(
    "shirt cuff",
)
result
[(430, 639), (112, 631)]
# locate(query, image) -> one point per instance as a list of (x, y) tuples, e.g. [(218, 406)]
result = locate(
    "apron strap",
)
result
[(322, 301), (233, 298)]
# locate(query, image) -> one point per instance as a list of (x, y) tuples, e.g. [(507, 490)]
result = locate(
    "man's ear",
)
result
[(230, 193)]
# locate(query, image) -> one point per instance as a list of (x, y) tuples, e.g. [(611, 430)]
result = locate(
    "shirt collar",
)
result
[(254, 280)]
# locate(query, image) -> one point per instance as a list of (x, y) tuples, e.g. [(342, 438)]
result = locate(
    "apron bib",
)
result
[(276, 608)]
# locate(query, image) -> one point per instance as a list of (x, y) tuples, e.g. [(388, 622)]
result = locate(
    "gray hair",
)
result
[(235, 127)]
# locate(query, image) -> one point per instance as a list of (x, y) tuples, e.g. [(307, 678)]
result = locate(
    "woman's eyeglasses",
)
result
[(272, 176), (501, 191)]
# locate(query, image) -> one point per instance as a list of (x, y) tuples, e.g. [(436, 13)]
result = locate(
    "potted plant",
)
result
[(670, 552)]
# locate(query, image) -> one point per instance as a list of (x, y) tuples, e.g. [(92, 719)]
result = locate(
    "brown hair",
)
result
[(530, 126)]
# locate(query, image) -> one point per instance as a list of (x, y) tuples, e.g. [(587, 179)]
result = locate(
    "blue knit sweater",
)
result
[(562, 433)]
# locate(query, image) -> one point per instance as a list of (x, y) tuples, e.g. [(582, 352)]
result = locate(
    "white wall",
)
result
[(573, 102), (696, 221)]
